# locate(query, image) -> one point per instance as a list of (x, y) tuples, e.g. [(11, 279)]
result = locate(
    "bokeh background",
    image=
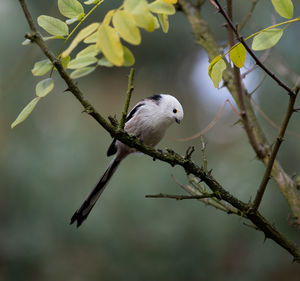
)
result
[(50, 162)]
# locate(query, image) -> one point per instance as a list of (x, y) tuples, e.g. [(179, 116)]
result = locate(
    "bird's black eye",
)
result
[(174, 110)]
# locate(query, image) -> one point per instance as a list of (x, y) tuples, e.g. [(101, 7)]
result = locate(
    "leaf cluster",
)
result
[(262, 40), (104, 40)]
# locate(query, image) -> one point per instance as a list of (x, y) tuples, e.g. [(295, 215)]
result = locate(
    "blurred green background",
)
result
[(50, 162)]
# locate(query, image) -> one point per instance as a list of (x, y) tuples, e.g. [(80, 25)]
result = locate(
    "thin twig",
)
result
[(179, 197), (203, 151), (197, 189), (259, 84), (127, 100), (213, 3), (251, 53), (279, 140)]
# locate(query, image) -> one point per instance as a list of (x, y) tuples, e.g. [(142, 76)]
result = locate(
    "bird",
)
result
[(148, 121)]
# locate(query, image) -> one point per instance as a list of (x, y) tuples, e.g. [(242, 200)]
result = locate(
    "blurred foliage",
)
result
[(49, 163)]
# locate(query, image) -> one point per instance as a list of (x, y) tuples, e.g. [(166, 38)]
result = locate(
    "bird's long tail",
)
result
[(82, 213)]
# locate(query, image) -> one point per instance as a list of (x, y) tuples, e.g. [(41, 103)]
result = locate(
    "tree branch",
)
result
[(179, 197), (169, 157), (128, 98), (279, 140)]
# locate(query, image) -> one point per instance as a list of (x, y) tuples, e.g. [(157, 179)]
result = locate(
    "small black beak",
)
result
[(177, 121)]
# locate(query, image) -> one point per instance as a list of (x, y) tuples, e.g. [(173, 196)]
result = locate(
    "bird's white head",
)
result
[(170, 108)]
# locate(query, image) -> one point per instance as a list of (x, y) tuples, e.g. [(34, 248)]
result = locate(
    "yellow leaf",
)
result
[(164, 22), (238, 55), (146, 21), (161, 7), (110, 45), (215, 70), (91, 39), (135, 7), (84, 33), (125, 25), (170, 1), (108, 17)]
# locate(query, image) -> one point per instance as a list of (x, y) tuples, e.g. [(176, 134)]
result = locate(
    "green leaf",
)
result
[(284, 8), (90, 50), (82, 61), (161, 7), (215, 70), (266, 39), (105, 62), (82, 72), (70, 8), (110, 45), (65, 61), (41, 67), (164, 22), (84, 33), (125, 25), (128, 57), (53, 26), (44, 87), (238, 55), (25, 112)]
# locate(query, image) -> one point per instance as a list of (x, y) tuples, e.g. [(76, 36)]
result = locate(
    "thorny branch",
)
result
[(179, 197), (292, 93), (169, 157), (267, 175), (237, 77), (251, 53), (205, 38)]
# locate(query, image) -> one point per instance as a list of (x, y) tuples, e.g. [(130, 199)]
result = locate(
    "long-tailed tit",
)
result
[(148, 121)]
